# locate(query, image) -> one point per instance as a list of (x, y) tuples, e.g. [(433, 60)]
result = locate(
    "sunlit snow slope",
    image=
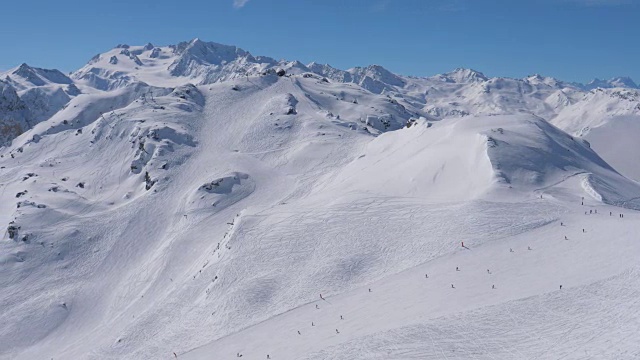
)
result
[(190, 202)]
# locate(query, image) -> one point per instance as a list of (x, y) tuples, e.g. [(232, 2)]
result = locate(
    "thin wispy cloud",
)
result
[(452, 6), (239, 3), (380, 5)]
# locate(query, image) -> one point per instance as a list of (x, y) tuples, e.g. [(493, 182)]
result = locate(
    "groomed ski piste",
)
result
[(261, 218)]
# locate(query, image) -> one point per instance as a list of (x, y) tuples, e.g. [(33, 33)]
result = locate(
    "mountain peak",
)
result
[(464, 75), (37, 76), (620, 81)]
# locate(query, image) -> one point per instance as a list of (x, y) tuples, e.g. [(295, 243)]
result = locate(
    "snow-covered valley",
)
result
[(198, 202)]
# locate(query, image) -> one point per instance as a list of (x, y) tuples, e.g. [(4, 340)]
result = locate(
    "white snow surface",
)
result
[(187, 202)]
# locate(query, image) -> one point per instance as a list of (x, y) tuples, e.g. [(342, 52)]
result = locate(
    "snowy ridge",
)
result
[(195, 201)]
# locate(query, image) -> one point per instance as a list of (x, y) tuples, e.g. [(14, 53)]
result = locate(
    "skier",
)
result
[(493, 286), (457, 269), (426, 276), (268, 357), (565, 237), (528, 247), (174, 354), (462, 243), (299, 332), (561, 224), (317, 307), (488, 272), (560, 287), (453, 287), (582, 230), (610, 213), (312, 324), (337, 332), (510, 250), (369, 289), (341, 318), (321, 297)]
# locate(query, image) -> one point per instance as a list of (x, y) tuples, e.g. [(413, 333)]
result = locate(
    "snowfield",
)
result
[(198, 202)]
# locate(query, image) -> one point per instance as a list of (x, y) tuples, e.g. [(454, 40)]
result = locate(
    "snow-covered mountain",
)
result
[(195, 201)]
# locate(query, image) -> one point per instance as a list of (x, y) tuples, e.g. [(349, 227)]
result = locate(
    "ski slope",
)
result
[(189, 202)]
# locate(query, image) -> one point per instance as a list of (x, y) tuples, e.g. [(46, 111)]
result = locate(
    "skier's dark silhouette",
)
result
[(457, 269), (453, 287), (560, 287)]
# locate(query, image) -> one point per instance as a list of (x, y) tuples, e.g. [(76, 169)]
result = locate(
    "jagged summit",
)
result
[(462, 75), (621, 82), (25, 76)]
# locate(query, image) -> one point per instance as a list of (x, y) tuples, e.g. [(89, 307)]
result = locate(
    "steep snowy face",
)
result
[(374, 78), (475, 157), (25, 77), (194, 61), (214, 62), (610, 120), (461, 75), (596, 108), (14, 114)]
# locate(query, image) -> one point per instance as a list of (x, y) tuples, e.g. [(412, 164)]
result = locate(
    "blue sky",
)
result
[(574, 40)]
